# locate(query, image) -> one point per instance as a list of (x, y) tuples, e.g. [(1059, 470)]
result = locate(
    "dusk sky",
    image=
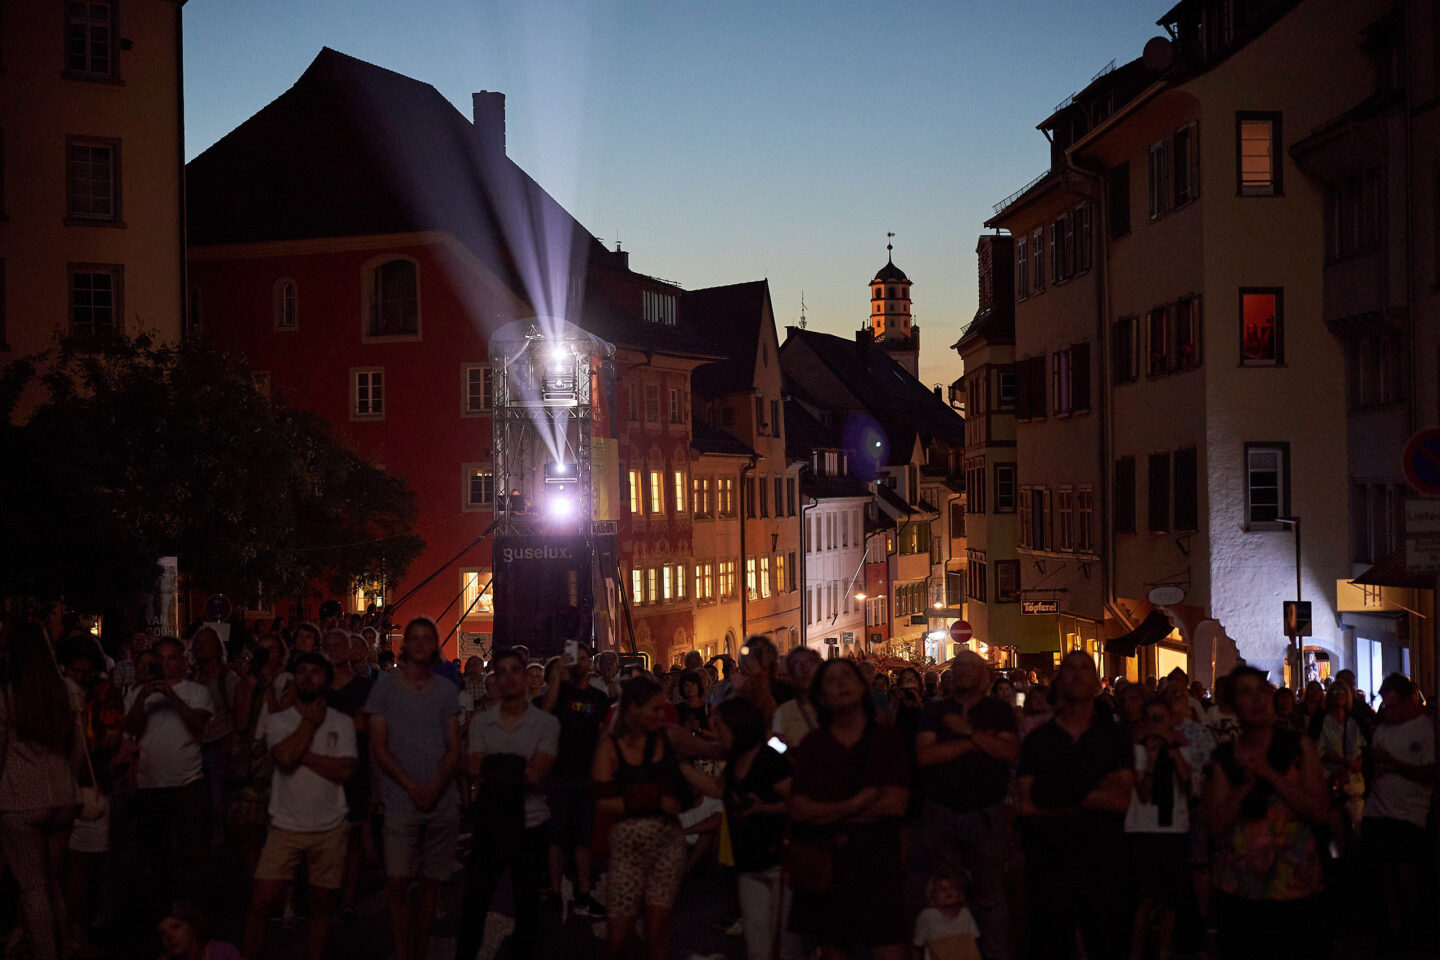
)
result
[(726, 140)]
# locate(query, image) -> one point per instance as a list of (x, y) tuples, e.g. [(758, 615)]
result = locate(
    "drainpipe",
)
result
[(744, 560), (804, 582)]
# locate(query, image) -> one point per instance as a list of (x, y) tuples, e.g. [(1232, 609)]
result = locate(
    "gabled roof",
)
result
[(902, 405), (707, 439), (730, 318), (353, 149)]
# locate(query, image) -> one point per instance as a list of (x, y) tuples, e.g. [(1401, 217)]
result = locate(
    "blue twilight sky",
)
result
[(726, 140)]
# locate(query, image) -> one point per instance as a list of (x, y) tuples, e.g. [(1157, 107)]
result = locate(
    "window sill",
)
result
[(106, 79), (367, 417), (115, 223), (391, 338), (1259, 365)]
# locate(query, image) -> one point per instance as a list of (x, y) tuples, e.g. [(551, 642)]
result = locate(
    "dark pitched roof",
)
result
[(902, 405), (890, 272), (707, 439), (995, 326), (730, 318), (353, 149)]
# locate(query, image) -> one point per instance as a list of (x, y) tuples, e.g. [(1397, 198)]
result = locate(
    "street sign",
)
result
[(1297, 618), (918, 619), (1421, 462), (832, 641), (961, 631), (1422, 536), (1035, 608)]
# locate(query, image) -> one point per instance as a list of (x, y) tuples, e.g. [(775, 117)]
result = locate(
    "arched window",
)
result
[(394, 308), (287, 305)]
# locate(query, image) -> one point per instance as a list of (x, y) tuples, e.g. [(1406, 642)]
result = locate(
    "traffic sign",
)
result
[(218, 608), (1297, 618), (961, 631), (1422, 535), (1421, 462)]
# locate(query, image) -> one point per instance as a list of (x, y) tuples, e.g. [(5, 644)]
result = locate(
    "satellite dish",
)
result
[(1159, 54)]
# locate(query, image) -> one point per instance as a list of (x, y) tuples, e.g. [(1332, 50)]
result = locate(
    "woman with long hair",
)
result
[(40, 753), (639, 782), (847, 801)]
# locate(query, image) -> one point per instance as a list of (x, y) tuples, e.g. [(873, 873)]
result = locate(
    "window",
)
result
[(974, 576), (752, 589), (637, 492), (1022, 269), (637, 587), (652, 404), (1030, 389), (1123, 341), (975, 486), (679, 491), (1080, 377), (957, 518), (761, 427), (1185, 179), (477, 388), (1173, 333), (1060, 380), (1262, 330), (1065, 507), (704, 583), (479, 486), (1267, 485), (781, 584), (1117, 194), (287, 305), (727, 579), (750, 498), (1125, 495), (394, 299), (1352, 215), (652, 592), (1004, 488), (1159, 501), (367, 394), (676, 411), (1007, 581), (476, 597), (775, 421), (779, 496), (725, 497), (657, 492), (1060, 244), (1005, 388), (914, 537), (1257, 154), (679, 581), (763, 487), (1084, 519), (96, 301), (701, 488), (92, 180), (1187, 489), (90, 39), (789, 496), (1035, 520), (1157, 327), (1037, 260), (788, 559), (667, 588), (658, 308), (765, 586)]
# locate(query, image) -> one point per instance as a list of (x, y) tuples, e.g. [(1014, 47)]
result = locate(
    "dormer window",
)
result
[(659, 308)]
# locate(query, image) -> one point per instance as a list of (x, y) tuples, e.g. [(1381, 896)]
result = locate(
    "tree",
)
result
[(140, 450)]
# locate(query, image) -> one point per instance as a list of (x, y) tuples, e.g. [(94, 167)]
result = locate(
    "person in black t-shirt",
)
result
[(581, 711), (1075, 779), (965, 747)]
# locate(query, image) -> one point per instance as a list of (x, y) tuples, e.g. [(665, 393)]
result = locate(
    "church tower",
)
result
[(890, 320)]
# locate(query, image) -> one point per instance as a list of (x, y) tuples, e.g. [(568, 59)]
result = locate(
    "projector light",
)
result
[(560, 507), (558, 471)]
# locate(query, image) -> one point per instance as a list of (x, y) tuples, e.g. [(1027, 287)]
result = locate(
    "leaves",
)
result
[(141, 450)]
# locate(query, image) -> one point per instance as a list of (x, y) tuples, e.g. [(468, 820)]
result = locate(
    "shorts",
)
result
[(572, 814), (1392, 840), (647, 863), (421, 845), (322, 850), (91, 836), (1158, 866)]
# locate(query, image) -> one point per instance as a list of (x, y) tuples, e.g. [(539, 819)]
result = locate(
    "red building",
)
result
[(359, 240)]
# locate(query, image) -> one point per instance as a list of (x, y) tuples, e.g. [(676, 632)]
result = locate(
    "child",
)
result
[(946, 930)]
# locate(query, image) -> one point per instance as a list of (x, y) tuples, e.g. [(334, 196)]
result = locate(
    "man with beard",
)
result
[(966, 744), (313, 748), (1076, 774)]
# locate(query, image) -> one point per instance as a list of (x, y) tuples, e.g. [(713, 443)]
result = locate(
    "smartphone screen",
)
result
[(776, 744), (572, 652)]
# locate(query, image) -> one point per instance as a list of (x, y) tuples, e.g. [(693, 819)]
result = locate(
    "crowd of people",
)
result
[(951, 814)]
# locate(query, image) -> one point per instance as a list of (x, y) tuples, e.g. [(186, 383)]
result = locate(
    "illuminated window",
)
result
[(479, 388), (479, 486), (725, 497), (651, 579), (637, 587), (667, 589), (657, 492), (1257, 137), (476, 596), (752, 590), (727, 580), (765, 576), (367, 394), (781, 584), (679, 491), (637, 495), (679, 581), (1262, 330)]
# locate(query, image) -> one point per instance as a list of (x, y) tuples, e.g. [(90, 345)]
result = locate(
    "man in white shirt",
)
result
[(513, 745), (314, 752), (167, 715), (1392, 830)]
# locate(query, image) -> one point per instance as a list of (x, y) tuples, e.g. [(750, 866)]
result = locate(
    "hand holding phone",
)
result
[(776, 744)]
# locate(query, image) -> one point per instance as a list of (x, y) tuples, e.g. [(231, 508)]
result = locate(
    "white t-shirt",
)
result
[(534, 733), (303, 800), (169, 752), (944, 937), (1145, 817), (1392, 795)]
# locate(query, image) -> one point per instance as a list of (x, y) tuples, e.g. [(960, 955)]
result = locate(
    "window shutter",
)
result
[(1080, 376), (1022, 392), (1125, 495), (1187, 489), (1159, 500)]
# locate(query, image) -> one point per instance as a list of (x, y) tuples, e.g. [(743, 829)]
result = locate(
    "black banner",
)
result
[(543, 594)]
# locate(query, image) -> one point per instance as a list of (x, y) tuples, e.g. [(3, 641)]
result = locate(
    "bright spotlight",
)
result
[(558, 471), (559, 354), (560, 507)]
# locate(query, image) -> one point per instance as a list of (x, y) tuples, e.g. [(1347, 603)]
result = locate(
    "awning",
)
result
[(1152, 629), (1392, 572)]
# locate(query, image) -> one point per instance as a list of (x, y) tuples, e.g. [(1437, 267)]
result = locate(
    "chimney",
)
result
[(864, 337), (488, 115)]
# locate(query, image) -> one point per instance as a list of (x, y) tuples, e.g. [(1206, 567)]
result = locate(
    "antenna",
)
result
[(802, 309)]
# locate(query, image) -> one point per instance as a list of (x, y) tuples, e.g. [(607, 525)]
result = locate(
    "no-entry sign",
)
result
[(1421, 462), (961, 631)]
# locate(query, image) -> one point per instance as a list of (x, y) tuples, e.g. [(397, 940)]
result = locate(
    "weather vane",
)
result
[(890, 247)]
